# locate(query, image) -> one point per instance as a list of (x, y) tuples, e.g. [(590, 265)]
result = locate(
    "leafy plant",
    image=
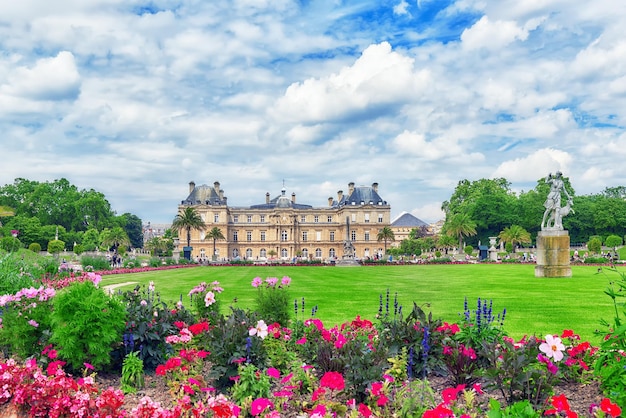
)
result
[(97, 263), (480, 325), (86, 323), (273, 300), (132, 373), (250, 384), (205, 301)]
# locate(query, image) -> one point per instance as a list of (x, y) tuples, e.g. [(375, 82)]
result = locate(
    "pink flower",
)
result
[(271, 281), (209, 299), (256, 282), (286, 281), (553, 347), (33, 323), (259, 405), (272, 372), (333, 380), (365, 410)]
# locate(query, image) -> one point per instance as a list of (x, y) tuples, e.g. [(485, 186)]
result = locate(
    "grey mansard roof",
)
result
[(204, 195), (281, 201), (406, 220)]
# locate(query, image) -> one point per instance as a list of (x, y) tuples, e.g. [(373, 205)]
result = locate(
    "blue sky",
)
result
[(138, 98)]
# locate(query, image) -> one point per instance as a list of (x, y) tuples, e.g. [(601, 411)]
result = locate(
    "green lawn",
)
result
[(534, 305)]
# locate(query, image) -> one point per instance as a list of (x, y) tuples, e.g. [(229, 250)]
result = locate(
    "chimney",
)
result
[(216, 187), (267, 197), (293, 197), (192, 186), (330, 201), (339, 195), (225, 200), (221, 194), (375, 187), (350, 188)]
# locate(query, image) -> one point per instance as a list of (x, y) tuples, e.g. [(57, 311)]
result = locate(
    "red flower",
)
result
[(196, 329), (332, 380), (610, 408), (439, 412), (364, 410), (382, 401), (161, 370)]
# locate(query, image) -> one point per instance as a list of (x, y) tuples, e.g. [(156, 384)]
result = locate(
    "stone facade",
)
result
[(282, 229)]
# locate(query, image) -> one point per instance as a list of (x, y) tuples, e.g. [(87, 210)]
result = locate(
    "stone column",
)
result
[(553, 258)]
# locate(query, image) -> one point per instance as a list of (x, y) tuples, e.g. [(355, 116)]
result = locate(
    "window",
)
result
[(329, 219), (380, 218), (302, 218), (249, 236), (235, 218), (202, 235), (249, 253), (202, 253), (318, 253), (305, 253), (249, 219), (316, 218), (367, 218), (235, 236), (305, 235), (216, 217), (262, 235), (332, 235), (235, 253), (354, 217), (366, 252), (318, 235), (283, 235), (331, 253), (353, 235), (263, 253), (283, 253), (367, 235), (262, 218)]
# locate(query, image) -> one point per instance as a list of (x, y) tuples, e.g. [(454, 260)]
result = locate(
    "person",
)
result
[(553, 201)]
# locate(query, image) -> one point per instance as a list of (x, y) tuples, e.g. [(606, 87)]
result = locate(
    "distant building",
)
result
[(151, 230), (404, 224), (281, 228)]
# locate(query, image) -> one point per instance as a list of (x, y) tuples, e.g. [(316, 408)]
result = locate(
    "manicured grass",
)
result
[(534, 305)]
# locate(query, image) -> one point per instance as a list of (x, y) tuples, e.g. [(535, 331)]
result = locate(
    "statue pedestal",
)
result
[(553, 254)]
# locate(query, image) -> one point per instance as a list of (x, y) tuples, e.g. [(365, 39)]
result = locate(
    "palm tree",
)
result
[(5, 212), (515, 234), (460, 225), (446, 242), (385, 234), (187, 220), (114, 238), (215, 233)]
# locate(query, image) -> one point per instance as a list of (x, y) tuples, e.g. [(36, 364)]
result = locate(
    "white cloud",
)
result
[(492, 35), (535, 165)]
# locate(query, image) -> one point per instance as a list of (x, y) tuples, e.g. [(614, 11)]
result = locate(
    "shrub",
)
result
[(56, 246), (273, 300), (26, 314), (35, 247), (204, 300), (97, 263), (86, 323), (15, 273), (149, 322), (469, 249), (11, 244)]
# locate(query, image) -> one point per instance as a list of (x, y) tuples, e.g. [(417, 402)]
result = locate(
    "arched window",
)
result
[(305, 253), (284, 253), (263, 253), (249, 253), (331, 253), (318, 253), (235, 253)]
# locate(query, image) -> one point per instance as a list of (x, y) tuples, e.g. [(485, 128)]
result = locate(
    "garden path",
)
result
[(110, 288)]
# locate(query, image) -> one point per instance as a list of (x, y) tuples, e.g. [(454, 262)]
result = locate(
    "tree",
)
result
[(594, 245), (460, 225), (133, 227), (446, 242), (385, 234), (158, 246), (613, 241), (187, 220), (515, 234), (114, 238), (215, 233), (56, 246)]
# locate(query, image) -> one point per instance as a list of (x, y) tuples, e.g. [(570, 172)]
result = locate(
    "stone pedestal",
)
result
[(553, 254)]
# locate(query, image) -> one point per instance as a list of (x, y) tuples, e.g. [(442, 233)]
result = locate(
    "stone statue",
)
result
[(348, 247), (554, 213)]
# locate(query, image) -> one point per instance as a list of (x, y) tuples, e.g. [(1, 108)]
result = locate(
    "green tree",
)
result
[(515, 235), (114, 238), (133, 227), (215, 233), (187, 220), (446, 242), (56, 246), (385, 234), (90, 240), (613, 241), (594, 245), (92, 211), (459, 225), (158, 246)]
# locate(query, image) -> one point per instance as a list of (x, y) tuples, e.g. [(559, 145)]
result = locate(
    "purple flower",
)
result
[(286, 281), (271, 281)]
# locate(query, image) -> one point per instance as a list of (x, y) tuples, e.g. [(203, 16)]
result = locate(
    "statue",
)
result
[(554, 213), (348, 247)]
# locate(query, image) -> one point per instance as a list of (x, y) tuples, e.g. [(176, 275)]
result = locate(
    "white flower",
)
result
[(553, 347), (260, 330), (209, 299)]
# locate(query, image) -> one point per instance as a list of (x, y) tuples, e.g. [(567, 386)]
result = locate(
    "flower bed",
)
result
[(405, 363)]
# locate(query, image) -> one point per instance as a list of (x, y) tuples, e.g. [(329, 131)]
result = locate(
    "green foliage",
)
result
[(613, 241), (595, 245), (86, 323), (481, 324), (468, 249), (56, 246), (520, 409), (35, 247), (508, 247), (273, 301), (10, 244), (516, 373), (149, 321), (252, 384), (132, 373), (78, 249), (16, 273), (97, 263), (205, 301)]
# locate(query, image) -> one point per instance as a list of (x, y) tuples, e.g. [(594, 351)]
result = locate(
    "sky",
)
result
[(136, 98)]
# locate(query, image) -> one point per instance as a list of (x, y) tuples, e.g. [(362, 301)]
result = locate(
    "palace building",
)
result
[(280, 228)]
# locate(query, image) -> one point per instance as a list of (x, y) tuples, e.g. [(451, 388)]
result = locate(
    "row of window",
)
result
[(284, 253), (284, 236), (303, 218)]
